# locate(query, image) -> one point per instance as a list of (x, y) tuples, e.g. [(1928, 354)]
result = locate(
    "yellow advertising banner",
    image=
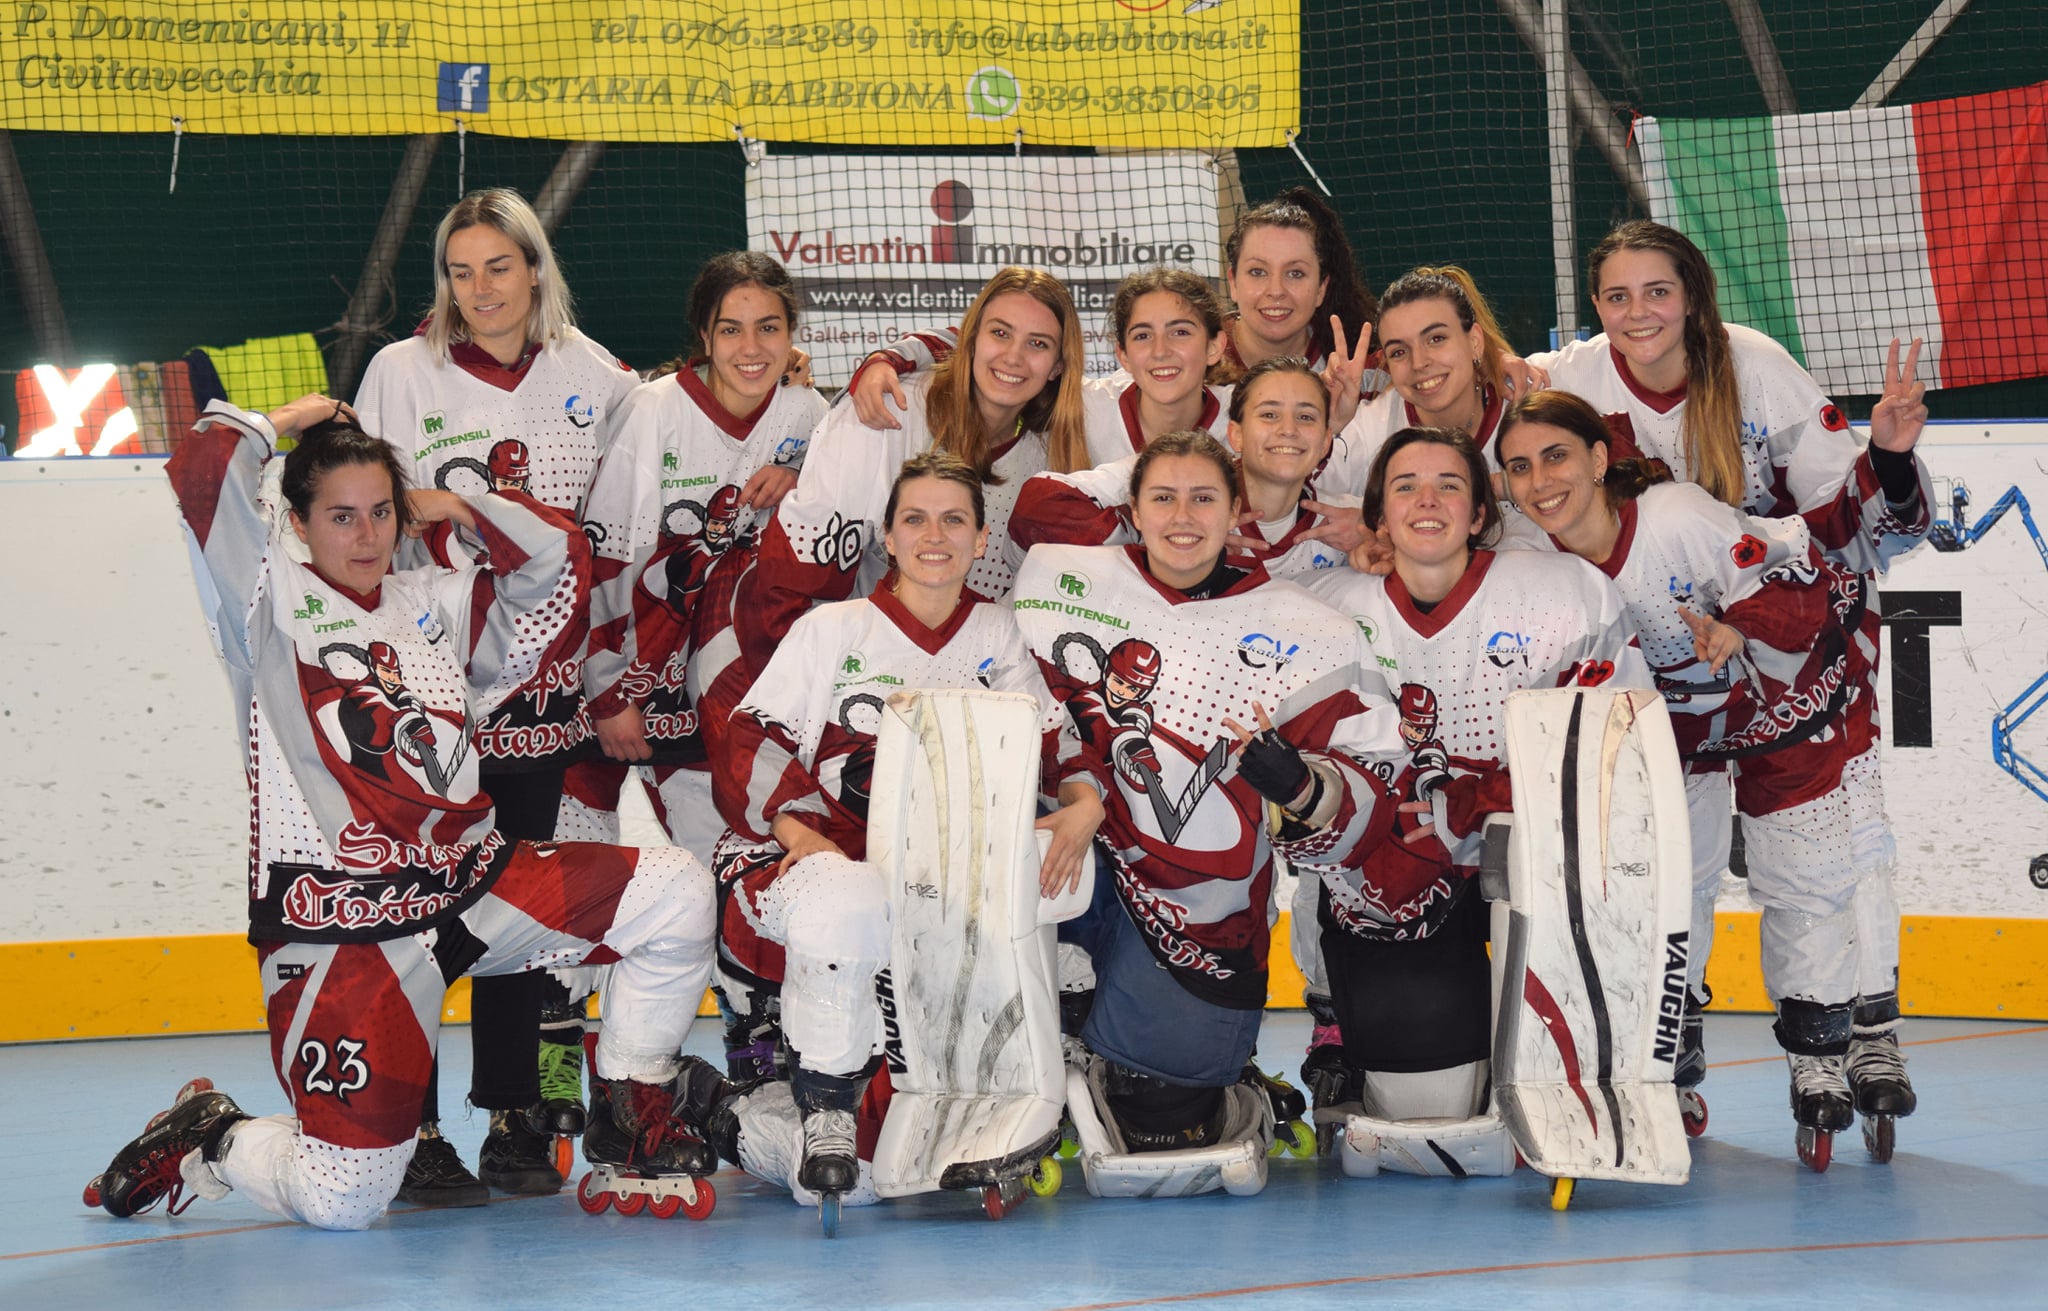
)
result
[(1128, 73)]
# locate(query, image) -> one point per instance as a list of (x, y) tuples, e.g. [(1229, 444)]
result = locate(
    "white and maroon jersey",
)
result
[(1091, 507), (1799, 454), (471, 425), (1148, 678), (1680, 549), (825, 541), (1517, 619), (450, 419), (670, 539), (1110, 408), (803, 738), (358, 713)]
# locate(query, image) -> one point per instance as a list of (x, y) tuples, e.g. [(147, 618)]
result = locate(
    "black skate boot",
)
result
[(1877, 1074), (518, 1156), (705, 1100), (1291, 1137), (831, 1165), (147, 1170), (436, 1176), (561, 1110), (1336, 1088), (1156, 1116), (642, 1155), (1821, 1105), (1692, 1062)]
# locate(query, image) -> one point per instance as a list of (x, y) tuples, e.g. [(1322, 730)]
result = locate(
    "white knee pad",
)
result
[(285, 1172), (836, 933), (1235, 1163)]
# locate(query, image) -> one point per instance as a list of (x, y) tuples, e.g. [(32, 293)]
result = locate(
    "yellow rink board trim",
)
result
[(142, 987)]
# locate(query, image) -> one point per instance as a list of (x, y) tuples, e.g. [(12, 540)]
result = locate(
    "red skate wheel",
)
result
[(1692, 1111), (992, 1202), (1816, 1148), (630, 1203), (665, 1208), (92, 1191), (707, 1197), (590, 1197), (565, 1156)]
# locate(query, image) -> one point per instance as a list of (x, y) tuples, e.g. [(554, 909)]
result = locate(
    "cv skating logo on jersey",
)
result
[(1263, 651), (983, 670), (1680, 589), (579, 413), (1504, 650)]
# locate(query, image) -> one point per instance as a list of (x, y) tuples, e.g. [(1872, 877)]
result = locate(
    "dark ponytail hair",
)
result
[(1624, 480), (1347, 297), (333, 444)]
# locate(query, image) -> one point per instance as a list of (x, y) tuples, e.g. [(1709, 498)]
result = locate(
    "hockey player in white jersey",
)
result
[(377, 871), (1727, 407), (1735, 617), (1278, 423), (1451, 632), (702, 454), (499, 370), (1206, 695), (1008, 404), (801, 910)]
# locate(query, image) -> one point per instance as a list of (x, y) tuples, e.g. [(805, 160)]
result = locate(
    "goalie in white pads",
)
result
[(1167, 656), (801, 907), (1451, 632)]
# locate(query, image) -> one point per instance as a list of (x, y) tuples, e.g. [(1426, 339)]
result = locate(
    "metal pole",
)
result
[(1763, 57), (365, 315), (40, 306), (1590, 109), (1910, 54), (1563, 228), (572, 170)]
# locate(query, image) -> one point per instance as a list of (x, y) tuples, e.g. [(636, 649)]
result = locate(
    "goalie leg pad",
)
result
[(1235, 1163), (1449, 1149)]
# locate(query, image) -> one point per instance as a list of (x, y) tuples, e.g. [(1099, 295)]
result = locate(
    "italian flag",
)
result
[(1835, 233)]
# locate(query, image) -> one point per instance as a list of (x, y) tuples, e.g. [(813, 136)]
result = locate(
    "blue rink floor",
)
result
[(1959, 1217)]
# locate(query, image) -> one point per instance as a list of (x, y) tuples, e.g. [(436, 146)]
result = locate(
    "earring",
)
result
[(1599, 480)]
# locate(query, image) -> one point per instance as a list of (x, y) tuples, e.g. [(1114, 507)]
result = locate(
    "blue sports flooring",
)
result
[(1960, 1216)]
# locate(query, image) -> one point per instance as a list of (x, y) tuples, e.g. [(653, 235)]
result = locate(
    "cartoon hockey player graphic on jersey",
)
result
[(383, 722), (1114, 712), (508, 466), (1429, 764)]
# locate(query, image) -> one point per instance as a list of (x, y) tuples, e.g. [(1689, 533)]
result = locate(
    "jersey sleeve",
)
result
[(622, 519), (1821, 470), (812, 548), (1764, 572), (761, 774), (1339, 727), (911, 353), (216, 475), (522, 609), (1089, 507)]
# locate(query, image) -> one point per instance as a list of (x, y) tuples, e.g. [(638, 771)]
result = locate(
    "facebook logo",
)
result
[(466, 88)]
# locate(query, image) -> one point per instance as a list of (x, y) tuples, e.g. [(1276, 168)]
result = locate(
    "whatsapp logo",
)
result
[(992, 93)]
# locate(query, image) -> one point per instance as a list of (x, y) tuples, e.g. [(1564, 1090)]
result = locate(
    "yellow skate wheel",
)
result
[(1295, 1140), (1560, 1194), (1047, 1178)]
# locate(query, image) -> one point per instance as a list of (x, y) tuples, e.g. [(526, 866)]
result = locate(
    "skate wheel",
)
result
[(1295, 1141), (630, 1203), (1878, 1137), (700, 1206), (1070, 1145), (665, 1208), (1816, 1148), (92, 1191), (1047, 1178), (565, 1155), (992, 1203), (828, 1214), (1692, 1110), (1560, 1194), (592, 1198)]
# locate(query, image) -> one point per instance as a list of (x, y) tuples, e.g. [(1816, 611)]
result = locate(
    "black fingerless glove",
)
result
[(1272, 766)]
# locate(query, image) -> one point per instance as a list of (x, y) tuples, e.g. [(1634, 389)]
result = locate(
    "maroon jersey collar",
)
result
[(1441, 615), (931, 641), (1127, 405), (732, 425), (1663, 402), (1255, 577)]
